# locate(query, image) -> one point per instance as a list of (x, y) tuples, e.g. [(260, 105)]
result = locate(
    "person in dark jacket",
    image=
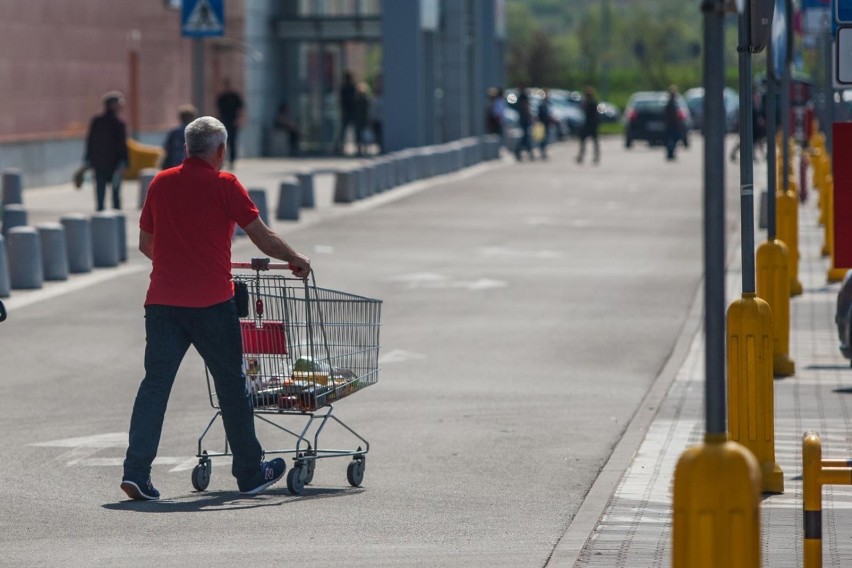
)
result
[(106, 150), (363, 101), (230, 105), (590, 126), (174, 142), (347, 97), (673, 123), (545, 117), (525, 119)]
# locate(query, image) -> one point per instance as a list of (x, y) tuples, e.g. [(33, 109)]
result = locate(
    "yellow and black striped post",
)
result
[(817, 472)]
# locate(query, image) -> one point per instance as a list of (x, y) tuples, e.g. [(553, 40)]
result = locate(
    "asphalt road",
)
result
[(527, 309)]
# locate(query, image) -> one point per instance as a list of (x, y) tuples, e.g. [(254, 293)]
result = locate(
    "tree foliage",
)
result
[(618, 44)]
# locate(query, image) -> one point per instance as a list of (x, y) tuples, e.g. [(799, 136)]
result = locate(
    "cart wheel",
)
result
[(310, 465), (201, 475), (355, 471), (295, 482)]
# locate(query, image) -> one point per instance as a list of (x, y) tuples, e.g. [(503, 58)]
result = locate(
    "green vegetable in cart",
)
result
[(307, 364)]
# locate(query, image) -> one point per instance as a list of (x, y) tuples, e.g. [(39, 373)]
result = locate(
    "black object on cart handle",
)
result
[(2, 311)]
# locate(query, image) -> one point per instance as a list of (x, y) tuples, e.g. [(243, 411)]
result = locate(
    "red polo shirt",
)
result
[(191, 210)]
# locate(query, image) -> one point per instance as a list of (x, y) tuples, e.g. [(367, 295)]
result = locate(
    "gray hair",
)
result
[(203, 135)]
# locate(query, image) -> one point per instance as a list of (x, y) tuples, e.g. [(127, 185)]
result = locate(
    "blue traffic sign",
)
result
[(843, 11), (202, 18), (779, 38)]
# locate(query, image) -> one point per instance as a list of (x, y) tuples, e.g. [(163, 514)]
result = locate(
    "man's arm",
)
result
[(271, 244), (146, 244)]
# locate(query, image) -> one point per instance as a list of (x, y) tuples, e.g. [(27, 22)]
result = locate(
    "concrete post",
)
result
[(345, 190), (289, 199), (4, 269), (145, 178), (54, 251), (14, 215), (306, 183), (13, 187), (25, 265), (78, 239), (105, 239)]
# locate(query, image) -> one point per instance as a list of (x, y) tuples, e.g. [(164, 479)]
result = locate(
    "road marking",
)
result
[(519, 253), (82, 448), (399, 356), (432, 281), (54, 290)]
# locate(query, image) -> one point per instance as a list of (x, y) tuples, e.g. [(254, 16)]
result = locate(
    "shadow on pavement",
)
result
[(211, 501)]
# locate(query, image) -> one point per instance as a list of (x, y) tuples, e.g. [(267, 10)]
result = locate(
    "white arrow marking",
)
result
[(518, 253), (99, 441), (485, 284), (398, 356)]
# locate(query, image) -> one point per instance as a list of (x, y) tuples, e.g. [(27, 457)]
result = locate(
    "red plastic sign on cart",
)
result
[(842, 140)]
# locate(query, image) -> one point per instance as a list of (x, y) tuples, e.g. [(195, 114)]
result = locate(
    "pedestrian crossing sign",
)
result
[(203, 18)]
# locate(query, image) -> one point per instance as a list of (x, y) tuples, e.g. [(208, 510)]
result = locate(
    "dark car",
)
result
[(695, 101), (843, 315), (643, 118)]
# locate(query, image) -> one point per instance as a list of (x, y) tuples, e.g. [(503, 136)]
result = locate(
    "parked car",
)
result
[(843, 316), (695, 101), (569, 117), (643, 118)]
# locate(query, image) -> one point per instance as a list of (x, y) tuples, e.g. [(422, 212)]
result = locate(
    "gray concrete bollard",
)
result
[(258, 197), (145, 178), (25, 265), (369, 181), (14, 215), (289, 199), (345, 190), (13, 187), (122, 235), (306, 183), (4, 270), (105, 239), (78, 239), (54, 251)]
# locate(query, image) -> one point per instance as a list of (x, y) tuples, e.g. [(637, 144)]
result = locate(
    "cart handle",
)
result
[(261, 264)]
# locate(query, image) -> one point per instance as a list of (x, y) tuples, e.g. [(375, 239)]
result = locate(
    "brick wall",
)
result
[(57, 57)]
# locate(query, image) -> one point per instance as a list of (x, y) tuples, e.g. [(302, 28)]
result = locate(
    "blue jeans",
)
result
[(215, 333)]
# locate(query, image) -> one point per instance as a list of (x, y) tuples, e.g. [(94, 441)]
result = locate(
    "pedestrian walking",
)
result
[(284, 122), (106, 150), (545, 120), (376, 115), (522, 106), (493, 120), (674, 125), (174, 143), (346, 97), (230, 105), (590, 126), (186, 227), (363, 102)]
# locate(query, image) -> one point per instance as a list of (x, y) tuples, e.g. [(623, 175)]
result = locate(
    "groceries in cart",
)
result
[(311, 384)]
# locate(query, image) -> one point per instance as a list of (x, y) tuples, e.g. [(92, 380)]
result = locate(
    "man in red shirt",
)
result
[(186, 228)]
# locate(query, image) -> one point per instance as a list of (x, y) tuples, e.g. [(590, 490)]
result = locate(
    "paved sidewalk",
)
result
[(635, 529)]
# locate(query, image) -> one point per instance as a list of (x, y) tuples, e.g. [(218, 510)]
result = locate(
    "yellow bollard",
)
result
[(825, 171), (751, 392), (787, 224), (716, 520), (827, 215), (773, 286), (812, 499)]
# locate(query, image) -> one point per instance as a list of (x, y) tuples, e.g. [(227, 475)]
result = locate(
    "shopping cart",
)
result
[(304, 348)]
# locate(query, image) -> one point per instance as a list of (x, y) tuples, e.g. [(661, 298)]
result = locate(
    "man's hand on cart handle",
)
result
[(269, 243), (300, 265)]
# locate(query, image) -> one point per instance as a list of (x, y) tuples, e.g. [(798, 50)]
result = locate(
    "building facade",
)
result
[(428, 64)]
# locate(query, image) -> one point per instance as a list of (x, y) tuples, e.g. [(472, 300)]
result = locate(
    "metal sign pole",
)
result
[(746, 152), (198, 65), (714, 218)]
